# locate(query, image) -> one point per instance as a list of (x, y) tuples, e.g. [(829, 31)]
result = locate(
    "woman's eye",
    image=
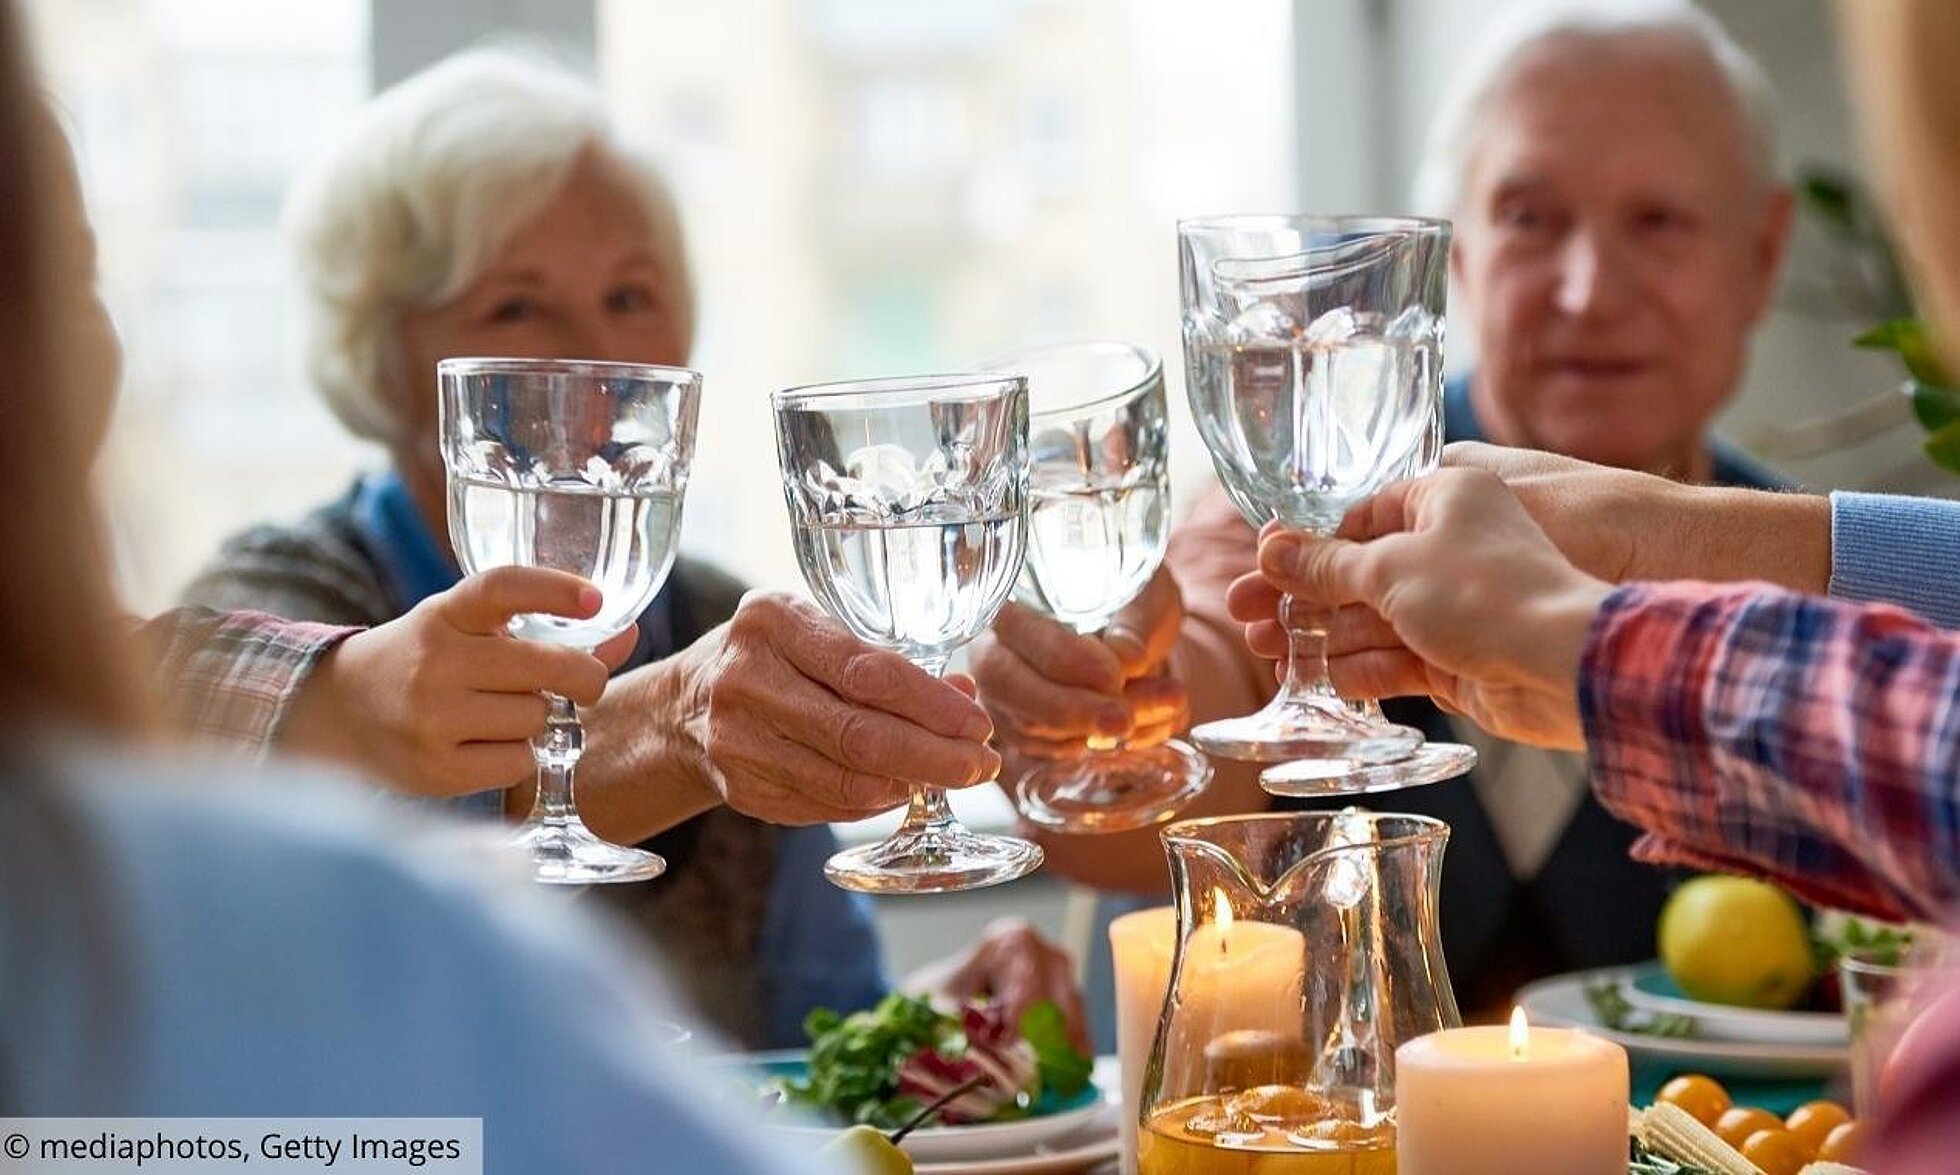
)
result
[(514, 310), (629, 297)]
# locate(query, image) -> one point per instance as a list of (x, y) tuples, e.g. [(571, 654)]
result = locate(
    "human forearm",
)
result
[(1754, 729), (643, 769)]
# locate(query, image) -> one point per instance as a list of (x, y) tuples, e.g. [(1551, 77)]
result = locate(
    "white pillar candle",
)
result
[(1140, 945), (1494, 1100), (1238, 975)]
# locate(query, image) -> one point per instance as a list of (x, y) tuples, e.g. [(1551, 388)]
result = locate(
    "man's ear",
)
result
[(1772, 245)]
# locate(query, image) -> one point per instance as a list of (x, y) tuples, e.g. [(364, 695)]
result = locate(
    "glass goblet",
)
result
[(908, 501), (580, 467)]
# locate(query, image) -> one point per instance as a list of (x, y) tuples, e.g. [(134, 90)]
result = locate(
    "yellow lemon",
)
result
[(1731, 940)]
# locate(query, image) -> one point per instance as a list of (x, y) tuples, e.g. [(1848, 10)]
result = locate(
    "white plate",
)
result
[(1083, 1149), (1047, 1138), (1561, 1000), (1726, 1022)]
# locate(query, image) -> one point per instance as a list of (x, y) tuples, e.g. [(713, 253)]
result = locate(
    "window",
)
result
[(875, 187), (189, 119)]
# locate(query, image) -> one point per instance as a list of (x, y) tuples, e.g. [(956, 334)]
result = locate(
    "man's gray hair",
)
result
[(433, 179), (1452, 133)]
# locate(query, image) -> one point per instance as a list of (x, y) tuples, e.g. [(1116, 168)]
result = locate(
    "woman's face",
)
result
[(580, 280)]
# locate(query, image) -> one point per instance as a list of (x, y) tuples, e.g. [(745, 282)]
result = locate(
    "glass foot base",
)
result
[(1306, 728), (1433, 763), (935, 860), (1114, 791), (568, 854)]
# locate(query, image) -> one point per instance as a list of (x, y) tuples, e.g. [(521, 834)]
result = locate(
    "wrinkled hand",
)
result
[(790, 718), (1460, 596), (1051, 691), (1013, 965), (444, 701)]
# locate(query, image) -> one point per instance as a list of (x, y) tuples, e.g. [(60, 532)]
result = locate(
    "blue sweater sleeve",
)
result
[(1899, 550)]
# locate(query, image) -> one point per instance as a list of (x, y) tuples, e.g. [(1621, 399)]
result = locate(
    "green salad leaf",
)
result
[(854, 1059), (1062, 1068)]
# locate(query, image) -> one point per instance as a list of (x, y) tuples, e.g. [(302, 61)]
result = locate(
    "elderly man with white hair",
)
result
[(487, 207), (1610, 169)]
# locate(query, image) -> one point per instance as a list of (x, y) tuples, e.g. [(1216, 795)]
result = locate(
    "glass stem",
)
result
[(929, 810), (1103, 744), (1306, 650), (557, 751)]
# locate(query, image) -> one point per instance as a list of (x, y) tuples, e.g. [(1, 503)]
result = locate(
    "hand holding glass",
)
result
[(908, 501), (578, 467)]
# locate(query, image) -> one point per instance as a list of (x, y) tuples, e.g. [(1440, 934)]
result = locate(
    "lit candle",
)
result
[(1238, 976), (1494, 1100)]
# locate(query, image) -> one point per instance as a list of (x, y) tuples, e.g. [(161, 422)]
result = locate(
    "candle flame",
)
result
[(1221, 913), (1520, 1034)]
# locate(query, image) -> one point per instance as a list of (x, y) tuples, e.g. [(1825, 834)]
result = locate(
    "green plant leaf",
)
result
[(1943, 448), (1830, 197), (1934, 405), (1907, 336)]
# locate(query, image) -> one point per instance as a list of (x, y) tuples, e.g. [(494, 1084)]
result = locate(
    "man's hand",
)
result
[(1445, 587), (444, 701), (1051, 691), (1617, 525), (1013, 965), (787, 716)]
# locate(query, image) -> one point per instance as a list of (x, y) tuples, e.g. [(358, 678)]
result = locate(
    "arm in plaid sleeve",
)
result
[(230, 677), (1752, 729)]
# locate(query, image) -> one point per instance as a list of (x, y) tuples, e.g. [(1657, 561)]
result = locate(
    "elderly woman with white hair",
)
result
[(1609, 167), (487, 207)]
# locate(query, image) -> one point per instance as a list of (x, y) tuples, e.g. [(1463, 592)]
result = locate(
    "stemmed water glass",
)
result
[(908, 501), (1313, 355), (1098, 519), (580, 467)]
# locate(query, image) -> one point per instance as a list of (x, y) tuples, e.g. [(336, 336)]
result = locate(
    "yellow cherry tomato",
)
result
[(1739, 1122), (1703, 1098), (1777, 1152), (1846, 1144), (1814, 1121)]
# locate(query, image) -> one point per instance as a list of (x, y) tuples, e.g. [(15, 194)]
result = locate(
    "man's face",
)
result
[(1614, 248)]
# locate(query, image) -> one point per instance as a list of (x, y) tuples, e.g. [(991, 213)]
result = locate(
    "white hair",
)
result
[(1453, 131), (433, 179)]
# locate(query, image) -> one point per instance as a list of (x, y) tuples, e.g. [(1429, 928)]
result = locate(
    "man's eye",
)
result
[(514, 310)]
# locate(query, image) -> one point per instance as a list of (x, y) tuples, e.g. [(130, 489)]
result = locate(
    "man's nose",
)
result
[(1592, 276)]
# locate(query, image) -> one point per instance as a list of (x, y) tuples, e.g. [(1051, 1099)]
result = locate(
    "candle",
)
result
[(1140, 946), (1495, 1100), (1239, 978)]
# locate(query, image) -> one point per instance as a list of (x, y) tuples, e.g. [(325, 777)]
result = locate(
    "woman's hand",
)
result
[(444, 701), (788, 717), (1443, 586)]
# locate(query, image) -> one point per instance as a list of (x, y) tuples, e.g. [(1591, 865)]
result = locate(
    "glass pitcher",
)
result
[(1307, 950)]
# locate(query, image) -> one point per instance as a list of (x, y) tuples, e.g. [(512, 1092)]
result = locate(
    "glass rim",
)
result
[(897, 390), (1153, 373), (467, 365), (1355, 222), (1910, 963), (1427, 828)]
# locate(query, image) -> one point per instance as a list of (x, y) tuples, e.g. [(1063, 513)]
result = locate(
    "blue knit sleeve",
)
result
[(1897, 550)]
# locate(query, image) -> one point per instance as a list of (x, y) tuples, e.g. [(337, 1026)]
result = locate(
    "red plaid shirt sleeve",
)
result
[(1753, 729), (229, 677)]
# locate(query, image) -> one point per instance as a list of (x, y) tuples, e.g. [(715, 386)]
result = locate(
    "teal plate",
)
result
[(1053, 1118)]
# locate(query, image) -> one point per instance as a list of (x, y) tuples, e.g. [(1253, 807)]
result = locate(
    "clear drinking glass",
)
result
[(1098, 520), (1429, 763), (1882, 996), (1313, 356), (908, 500), (580, 467)]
